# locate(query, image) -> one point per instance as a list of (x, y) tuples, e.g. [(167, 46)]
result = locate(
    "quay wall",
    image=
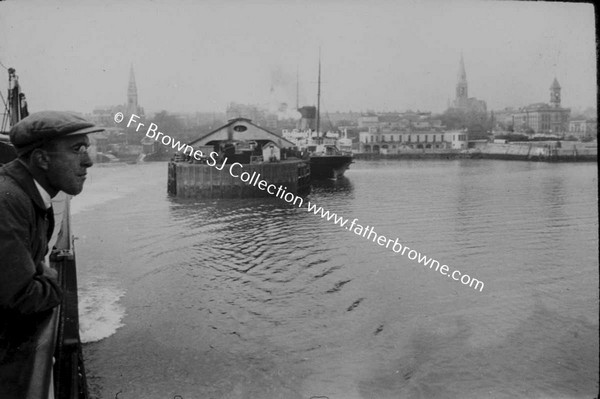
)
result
[(187, 180), (448, 154), (568, 152)]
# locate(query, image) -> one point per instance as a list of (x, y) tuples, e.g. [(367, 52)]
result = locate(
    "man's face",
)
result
[(68, 163)]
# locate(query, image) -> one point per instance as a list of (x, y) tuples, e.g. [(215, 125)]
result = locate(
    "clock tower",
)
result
[(555, 94)]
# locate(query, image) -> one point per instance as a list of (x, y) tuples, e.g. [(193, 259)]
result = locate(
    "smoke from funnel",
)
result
[(283, 90)]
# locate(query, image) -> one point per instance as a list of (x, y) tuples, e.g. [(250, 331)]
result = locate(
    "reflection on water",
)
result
[(260, 299), (343, 184)]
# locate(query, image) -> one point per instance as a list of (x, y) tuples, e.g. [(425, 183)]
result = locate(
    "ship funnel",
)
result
[(308, 119)]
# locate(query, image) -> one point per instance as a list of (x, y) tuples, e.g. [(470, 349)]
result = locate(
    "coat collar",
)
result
[(22, 176)]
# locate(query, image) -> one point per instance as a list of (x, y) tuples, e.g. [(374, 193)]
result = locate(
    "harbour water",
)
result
[(256, 298)]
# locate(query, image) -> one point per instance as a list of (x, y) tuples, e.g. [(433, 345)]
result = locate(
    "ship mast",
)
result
[(319, 99), (16, 109)]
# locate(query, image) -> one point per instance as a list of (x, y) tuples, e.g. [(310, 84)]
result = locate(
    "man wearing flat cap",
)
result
[(52, 157)]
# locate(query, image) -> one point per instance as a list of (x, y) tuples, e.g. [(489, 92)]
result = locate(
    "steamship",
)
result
[(327, 161)]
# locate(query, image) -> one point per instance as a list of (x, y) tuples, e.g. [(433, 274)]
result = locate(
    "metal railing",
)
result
[(69, 372)]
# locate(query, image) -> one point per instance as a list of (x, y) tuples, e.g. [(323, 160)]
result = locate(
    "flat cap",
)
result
[(42, 127)]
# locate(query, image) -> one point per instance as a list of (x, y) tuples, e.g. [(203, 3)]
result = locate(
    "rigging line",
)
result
[(4, 122), (5, 104), (3, 65), (6, 114)]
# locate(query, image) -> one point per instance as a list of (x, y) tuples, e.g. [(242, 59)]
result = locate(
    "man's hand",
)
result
[(50, 273)]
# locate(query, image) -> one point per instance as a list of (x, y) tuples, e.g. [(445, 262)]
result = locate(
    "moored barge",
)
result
[(238, 160)]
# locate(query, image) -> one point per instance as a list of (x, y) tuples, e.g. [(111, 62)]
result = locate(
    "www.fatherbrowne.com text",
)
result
[(368, 232)]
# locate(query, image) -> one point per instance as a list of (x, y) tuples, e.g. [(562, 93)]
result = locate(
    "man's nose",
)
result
[(86, 161)]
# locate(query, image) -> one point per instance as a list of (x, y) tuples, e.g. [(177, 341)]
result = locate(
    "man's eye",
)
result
[(80, 149)]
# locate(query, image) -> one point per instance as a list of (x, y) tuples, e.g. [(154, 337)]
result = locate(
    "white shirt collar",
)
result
[(44, 194)]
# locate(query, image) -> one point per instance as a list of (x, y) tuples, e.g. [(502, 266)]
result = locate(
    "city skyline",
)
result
[(375, 56)]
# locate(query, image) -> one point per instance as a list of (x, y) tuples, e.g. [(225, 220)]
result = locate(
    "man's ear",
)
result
[(40, 159)]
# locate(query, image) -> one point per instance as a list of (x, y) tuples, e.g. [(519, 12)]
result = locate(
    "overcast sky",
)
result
[(376, 55)]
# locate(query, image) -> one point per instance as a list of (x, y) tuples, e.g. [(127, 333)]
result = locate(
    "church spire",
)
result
[(132, 97), (462, 74), (462, 93)]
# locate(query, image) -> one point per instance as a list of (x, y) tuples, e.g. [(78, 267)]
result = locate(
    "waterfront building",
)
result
[(398, 121), (394, 132), (591, 127), (410, 141), (462, 100), (241, 130), (583, 128), (271, 152), (502, 120), (549, 119), (458, 139)]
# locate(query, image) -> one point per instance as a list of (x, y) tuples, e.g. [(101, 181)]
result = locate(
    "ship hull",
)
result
[(329, 166)]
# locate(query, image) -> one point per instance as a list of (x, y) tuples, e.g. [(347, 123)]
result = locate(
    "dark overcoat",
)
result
[(28, 291)]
